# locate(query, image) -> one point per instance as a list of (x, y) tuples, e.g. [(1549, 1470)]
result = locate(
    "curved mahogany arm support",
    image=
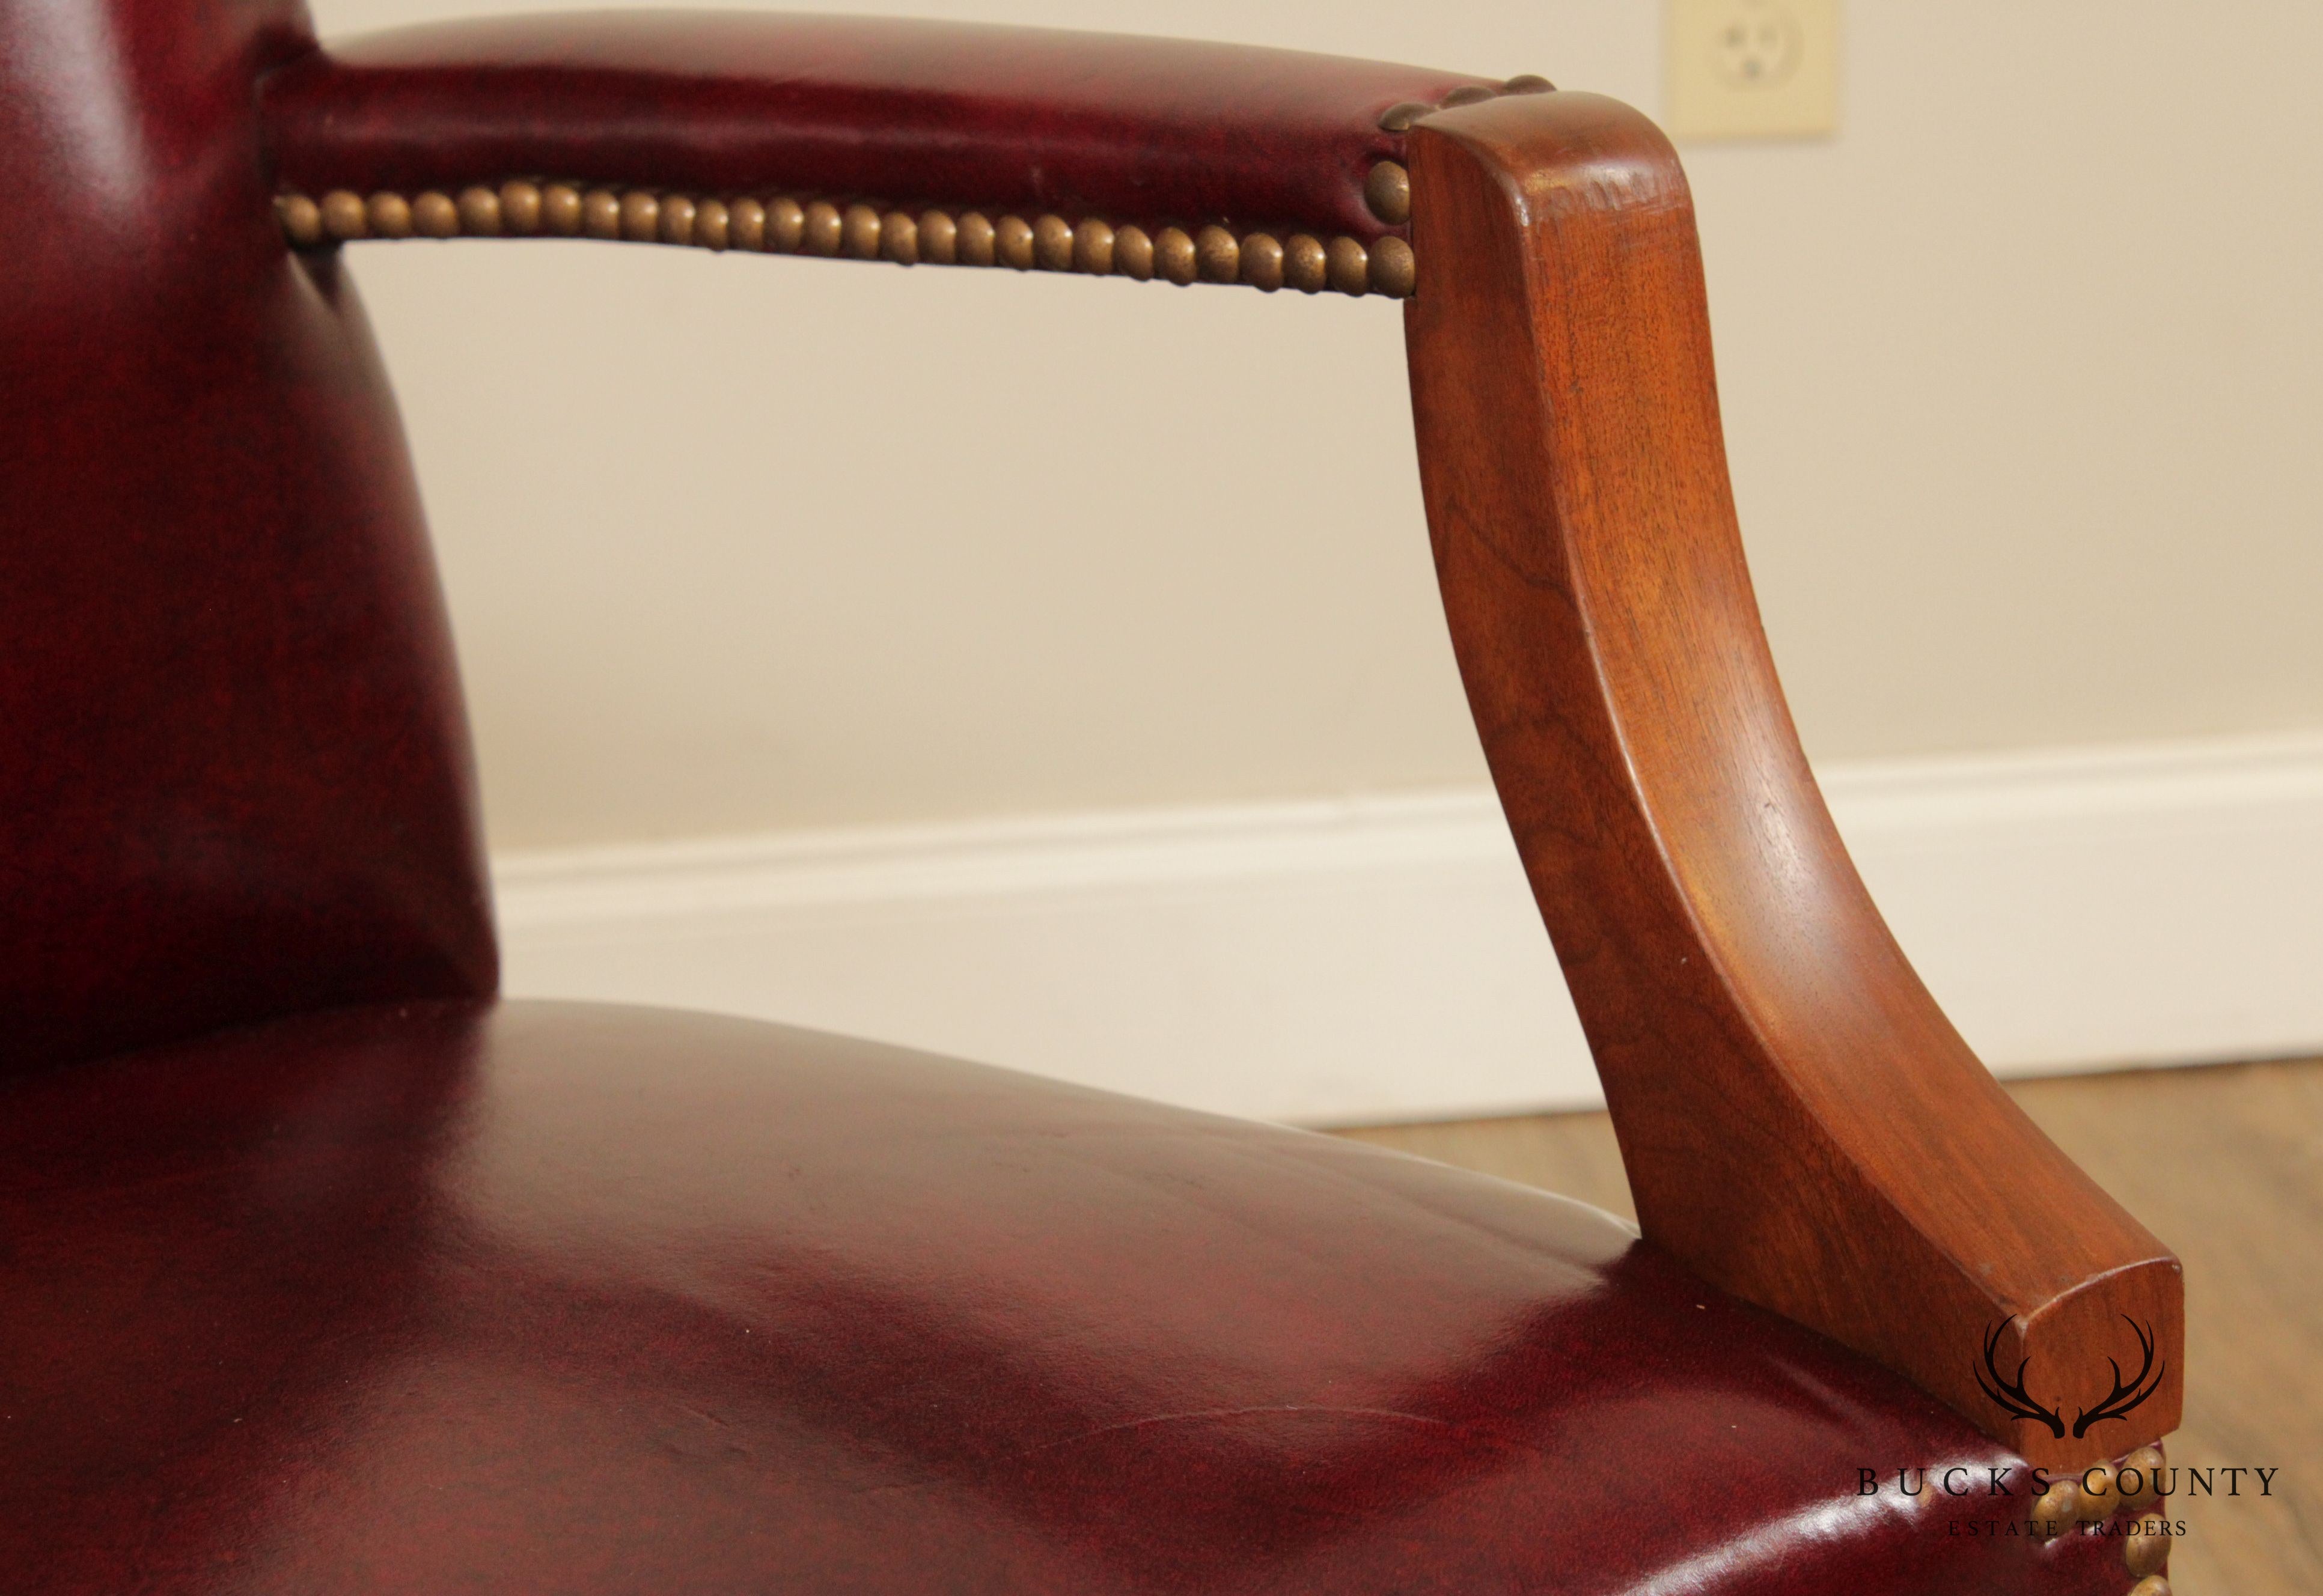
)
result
[(1799, 1120), (1021, 121)]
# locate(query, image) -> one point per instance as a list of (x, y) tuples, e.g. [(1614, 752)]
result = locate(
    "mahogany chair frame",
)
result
[(1800, 1123)]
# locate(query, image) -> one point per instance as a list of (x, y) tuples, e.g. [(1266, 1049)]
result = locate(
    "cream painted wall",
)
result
[(2022, 374)]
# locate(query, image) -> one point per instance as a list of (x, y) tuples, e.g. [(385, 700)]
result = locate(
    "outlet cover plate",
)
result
[(1752, 68)]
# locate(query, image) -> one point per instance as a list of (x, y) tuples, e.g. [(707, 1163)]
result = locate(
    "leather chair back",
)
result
[(235, 772)]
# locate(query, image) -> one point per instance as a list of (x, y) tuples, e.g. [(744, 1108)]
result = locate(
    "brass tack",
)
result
[(1388, 191), (746, 224), (301, 219), (1094, 246), (938, 238), (1350, 267), (786, 224), (824, 228), (521, 207), (1218, 253), (640, 217), (1527, 83), (1133, 254), (1260, 263), (388, 215), (434, 216), (678, 212), (899, 238), (2147, 1548), (344, 214), (713, 225), (2147, 1463), (1394, 272), (1306, 265), (2056, 1509), (1467, 93), (2152, 1585), (601, 214), (1176, 257), (480, 212), (1399, 116), (859, 232), (1052, 244), (979, 241), (560, 209), (1013, 239), (2097, 1498)]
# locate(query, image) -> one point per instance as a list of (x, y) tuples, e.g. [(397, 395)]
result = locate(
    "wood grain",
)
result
[(2229, 1161), (1799, 1120)]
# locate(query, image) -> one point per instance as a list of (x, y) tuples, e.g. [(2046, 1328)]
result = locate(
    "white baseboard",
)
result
[(1379, 960)]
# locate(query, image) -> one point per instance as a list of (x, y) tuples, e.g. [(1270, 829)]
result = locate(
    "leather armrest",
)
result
[(886, 114)]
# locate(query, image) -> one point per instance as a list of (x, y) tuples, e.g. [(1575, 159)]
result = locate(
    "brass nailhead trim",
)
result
[(521, 207), (2148, 1549), (2097, 1498), (434, 216), (1013, 240), (2097, 1494), (864, 232), (388, 215), (1388, 191), (1395, 270), (302, 219), (2152, 1585), (2148, 1462), (1262, 262), (1094, 242), (2056, 1509), (822, 229), (1133, 253), (1399, 116), (480, 212), (560, 209)]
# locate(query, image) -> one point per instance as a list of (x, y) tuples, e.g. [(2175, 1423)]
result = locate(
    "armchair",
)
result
[(325, 1270)]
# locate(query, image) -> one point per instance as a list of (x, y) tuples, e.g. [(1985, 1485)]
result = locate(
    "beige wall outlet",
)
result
[(1753, 69)]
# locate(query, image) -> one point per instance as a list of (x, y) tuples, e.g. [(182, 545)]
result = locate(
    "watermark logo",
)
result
[(2127, 1397), (2126, 1483)]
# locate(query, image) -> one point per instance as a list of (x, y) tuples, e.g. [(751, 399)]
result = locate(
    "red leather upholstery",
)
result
[(235, 777), (445, 1299), (1143, 129)]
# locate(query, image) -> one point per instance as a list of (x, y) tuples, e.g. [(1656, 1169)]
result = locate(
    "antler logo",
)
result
[(2010, 1394), (2125, 1396)]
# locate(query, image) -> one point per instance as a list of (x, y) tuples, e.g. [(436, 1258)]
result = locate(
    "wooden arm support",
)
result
[(1799, 1120)]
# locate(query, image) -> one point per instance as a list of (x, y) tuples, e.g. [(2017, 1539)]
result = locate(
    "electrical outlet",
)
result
[(1753, 69)]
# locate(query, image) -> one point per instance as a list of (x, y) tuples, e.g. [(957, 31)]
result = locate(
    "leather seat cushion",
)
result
[(546, 1297)]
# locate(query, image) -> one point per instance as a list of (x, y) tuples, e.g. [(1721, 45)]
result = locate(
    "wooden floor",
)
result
[(2225, 1165)]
